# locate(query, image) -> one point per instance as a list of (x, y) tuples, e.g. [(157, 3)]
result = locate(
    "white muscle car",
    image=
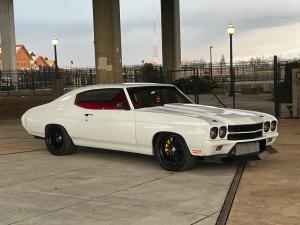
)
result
[(152, 119)]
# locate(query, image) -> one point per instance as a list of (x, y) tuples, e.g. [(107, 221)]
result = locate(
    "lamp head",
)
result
[(54, 41), (230, 29)]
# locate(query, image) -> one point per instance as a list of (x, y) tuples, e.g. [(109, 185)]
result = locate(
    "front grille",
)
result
[(244, 136), (245, 128)]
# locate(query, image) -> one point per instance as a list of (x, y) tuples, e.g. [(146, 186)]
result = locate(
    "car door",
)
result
[(108, 121)]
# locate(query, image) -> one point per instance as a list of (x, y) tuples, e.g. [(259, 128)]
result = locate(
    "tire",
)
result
[(172, 153), (58, 141)]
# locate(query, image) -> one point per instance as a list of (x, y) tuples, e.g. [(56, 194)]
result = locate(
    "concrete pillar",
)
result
[(107, 32), (8, 39), (296, 92), (171, 47)]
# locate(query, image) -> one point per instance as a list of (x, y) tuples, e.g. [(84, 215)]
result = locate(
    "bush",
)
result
[(203, 84), (150, 73)]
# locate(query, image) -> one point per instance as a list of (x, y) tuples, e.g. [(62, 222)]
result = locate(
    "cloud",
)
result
[(263, 27)]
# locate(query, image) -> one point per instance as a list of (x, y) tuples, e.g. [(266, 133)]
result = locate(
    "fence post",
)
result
[(91, 77), (124, 74), (197, 74), (32, 80), (195, 85), (276, 88), (8, 84), (136, 77), (49, 77), (161, 74), (43, 76)]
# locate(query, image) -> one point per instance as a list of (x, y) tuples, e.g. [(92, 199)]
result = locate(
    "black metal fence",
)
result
[(262, 86), (41, 80), (255, 71)]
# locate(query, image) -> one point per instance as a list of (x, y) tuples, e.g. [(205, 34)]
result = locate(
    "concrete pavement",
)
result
[(102, 187), (269, 191)]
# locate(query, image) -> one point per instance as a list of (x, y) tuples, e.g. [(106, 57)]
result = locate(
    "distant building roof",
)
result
[(40, 61), (36, 61), (50, 63)]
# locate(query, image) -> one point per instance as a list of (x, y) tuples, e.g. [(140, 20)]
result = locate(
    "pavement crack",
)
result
[(184, 212), (137, 185), (26, 151), (57, 174), (204, 218), (88, 200), (22, 160), (18, 142)]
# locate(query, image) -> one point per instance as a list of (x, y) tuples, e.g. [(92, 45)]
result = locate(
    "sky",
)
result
[(263, 28)]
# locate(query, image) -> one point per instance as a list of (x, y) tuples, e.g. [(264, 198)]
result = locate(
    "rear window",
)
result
[(103, 95), (112, 98)]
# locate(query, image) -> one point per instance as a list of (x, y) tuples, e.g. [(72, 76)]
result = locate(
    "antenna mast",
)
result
[(154, 37)]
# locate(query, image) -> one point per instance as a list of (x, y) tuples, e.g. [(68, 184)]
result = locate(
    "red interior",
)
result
[(121, 97)]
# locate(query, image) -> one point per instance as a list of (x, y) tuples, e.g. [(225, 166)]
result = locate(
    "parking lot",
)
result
[(102, 187)]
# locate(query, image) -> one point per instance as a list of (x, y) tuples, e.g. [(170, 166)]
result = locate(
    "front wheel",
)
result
[(172, 152), (58, 141)]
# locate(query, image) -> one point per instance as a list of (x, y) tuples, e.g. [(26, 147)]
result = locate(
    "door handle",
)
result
[(88, 114)]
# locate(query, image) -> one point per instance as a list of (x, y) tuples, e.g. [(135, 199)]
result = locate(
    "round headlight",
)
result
[(222, 132), (214, 132), (267, 126), (273, 125)]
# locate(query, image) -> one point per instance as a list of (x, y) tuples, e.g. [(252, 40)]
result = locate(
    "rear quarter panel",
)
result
[(61, 111)]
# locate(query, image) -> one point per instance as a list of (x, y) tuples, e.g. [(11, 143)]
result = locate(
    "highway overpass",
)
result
[(107, 37)]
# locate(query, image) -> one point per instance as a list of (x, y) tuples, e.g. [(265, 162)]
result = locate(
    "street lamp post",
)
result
[(230, 31), (57, 83), (210, 56), (55, 43)]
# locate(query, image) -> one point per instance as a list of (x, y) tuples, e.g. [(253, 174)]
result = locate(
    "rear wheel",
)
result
[(58, 141), (172, 152)]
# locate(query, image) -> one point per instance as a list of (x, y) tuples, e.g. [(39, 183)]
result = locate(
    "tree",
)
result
[(150, 73)]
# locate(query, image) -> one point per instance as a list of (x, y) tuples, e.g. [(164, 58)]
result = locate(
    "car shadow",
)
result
[(149, 159)]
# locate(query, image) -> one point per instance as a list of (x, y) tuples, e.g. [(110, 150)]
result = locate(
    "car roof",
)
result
[(122, 85)]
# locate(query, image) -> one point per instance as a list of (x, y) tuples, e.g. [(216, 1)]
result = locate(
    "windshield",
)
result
[(151, 96)]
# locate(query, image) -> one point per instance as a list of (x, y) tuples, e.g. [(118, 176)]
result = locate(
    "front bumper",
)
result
[(225, 147), (261, 154)]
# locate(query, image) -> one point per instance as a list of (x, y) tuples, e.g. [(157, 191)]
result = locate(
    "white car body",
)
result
[(133, 130)]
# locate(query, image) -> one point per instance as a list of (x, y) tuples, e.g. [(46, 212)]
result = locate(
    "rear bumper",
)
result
[(263, 153)]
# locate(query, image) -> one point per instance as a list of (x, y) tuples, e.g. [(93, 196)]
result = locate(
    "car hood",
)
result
[(211, 114)]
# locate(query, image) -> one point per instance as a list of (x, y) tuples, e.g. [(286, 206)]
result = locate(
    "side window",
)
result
[(103, 99)]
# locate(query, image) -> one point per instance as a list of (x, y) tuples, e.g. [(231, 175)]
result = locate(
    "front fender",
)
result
[(195, 133)]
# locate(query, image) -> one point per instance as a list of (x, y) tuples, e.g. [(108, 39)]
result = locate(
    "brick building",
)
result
[(40, 62), (26, 60)]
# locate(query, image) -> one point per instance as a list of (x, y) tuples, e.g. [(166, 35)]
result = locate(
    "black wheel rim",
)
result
[(171, 150), (56, 138)]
